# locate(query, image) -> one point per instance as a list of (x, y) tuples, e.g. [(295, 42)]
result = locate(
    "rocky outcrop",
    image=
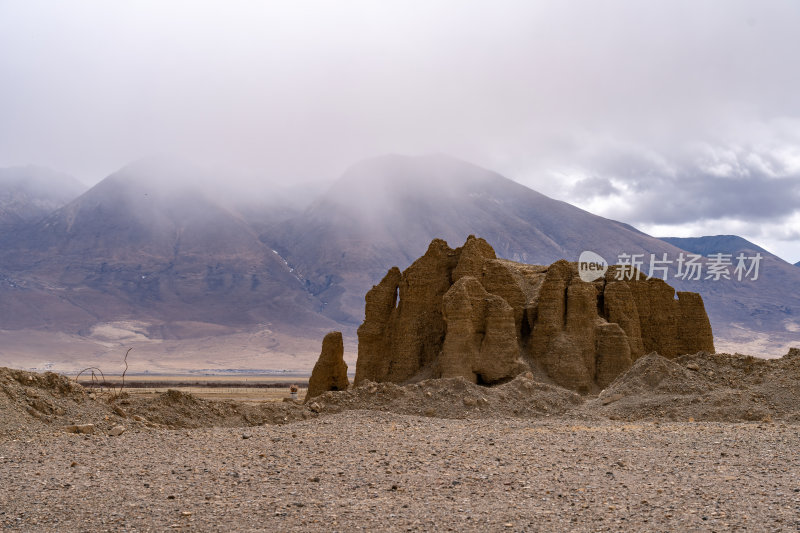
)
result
[(404, 328), (480, 342), (612, 353), (464, 313), (330, 372), (692, 324)]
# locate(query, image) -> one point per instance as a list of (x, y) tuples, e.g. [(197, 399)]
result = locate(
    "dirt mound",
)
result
[(705, 386), (49, 381), (654, 375), (176, 409), (454, 398), (31, 403)]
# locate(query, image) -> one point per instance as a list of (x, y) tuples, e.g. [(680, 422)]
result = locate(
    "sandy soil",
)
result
[(388, 472), (702, 442)]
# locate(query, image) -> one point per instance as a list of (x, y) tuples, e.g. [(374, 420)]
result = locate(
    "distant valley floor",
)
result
[(237, 352), (257, 350)]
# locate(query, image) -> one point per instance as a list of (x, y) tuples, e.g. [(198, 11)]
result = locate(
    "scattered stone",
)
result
[(87, 429), (526, 472), (116, 431), (611, 398)]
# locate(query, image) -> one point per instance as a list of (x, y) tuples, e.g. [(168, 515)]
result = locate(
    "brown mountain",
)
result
[(146, 243)]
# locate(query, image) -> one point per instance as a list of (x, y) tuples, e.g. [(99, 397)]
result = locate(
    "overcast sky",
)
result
[(681, 118)]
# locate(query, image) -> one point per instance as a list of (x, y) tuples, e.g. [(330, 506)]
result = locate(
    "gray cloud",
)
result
[(593, 187), (700, 197), (751, 186), (661, 104)]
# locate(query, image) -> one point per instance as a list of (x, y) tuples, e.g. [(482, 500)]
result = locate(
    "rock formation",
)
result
[(464, 312), (330, 372), (480, 342)]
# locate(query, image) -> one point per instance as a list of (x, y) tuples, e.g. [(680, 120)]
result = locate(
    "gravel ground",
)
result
[(393, 472)]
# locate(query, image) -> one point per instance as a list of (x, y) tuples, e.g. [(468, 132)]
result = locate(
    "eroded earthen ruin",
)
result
[(330, 372), (464, 312)]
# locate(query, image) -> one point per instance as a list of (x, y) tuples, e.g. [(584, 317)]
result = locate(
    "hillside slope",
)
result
[(711, 244), (145, 245)]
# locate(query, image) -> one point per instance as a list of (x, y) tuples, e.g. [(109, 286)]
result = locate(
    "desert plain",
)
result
[(708, 442)]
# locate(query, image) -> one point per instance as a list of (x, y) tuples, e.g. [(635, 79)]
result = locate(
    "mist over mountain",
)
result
[(385, 211), (29, 193), (148, 241), (185, 253)]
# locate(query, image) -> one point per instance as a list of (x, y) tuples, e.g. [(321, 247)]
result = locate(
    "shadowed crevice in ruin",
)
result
[(525, 332), (601, 306)]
